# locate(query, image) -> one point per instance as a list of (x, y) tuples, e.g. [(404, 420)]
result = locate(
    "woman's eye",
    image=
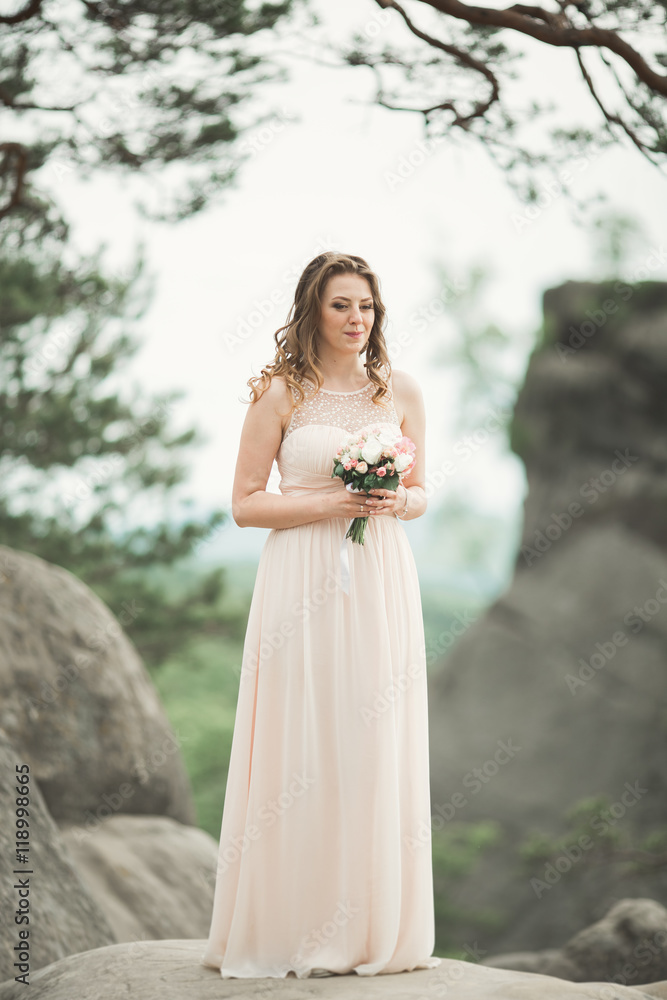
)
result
[(340, 305)]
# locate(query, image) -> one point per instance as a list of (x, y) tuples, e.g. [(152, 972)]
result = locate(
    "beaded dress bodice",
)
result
[(319, 426), (345, 410)]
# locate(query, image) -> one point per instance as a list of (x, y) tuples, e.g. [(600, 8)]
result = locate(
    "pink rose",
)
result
[(381, 472), (348, 466)]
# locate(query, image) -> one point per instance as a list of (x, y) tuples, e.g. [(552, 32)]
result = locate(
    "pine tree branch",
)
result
[(609, 116), (550, 28), (465, 59)]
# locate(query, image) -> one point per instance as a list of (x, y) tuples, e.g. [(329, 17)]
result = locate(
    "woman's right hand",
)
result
[(347, 504)]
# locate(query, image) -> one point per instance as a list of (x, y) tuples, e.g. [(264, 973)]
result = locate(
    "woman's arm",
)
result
[(252, 506), (409, 398)]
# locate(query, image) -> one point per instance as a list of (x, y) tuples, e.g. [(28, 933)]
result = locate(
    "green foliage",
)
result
[(151, 84), (594, 832), (88, 464), (199, 689), (613, 234), (458, 848), (482, 355)]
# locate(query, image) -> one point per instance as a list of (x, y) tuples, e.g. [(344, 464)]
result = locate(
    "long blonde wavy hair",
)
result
[(296, 356)]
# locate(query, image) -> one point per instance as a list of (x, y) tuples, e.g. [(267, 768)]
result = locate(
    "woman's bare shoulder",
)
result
[(404, 382), (407, 393), (276, 402), (276, 393)]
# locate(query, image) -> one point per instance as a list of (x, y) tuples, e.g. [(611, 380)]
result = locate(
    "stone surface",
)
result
[(556, 693), (170, 970), (152, 876), (547, 962), (62, 915), (77, 702)]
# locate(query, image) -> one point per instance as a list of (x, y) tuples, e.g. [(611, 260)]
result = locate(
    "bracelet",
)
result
[(405, 509)]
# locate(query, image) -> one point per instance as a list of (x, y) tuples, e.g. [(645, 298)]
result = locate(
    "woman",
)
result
[(324, 862)]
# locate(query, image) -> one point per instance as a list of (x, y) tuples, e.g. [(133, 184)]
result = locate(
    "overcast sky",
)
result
[(324, 177)]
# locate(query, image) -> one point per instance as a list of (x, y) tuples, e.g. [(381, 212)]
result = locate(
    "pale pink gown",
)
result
[(325, 846)]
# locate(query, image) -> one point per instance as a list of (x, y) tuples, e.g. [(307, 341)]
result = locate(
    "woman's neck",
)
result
[(343, 379)]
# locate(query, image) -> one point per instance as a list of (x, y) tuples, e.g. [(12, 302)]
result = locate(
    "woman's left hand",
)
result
[(384, 501)]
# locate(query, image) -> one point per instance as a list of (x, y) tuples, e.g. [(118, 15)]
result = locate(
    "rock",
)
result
[(629, 943), (81, 712), (556, 693), (548, 962), (170, 970), (152, 876), (77, 702), (628, 946), (63, 916)]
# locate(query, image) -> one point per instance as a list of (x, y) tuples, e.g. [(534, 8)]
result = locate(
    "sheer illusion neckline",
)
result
[(339, 392), (347, 409)]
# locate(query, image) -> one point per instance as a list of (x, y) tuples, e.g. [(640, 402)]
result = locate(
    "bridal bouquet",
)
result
[(376, 456)]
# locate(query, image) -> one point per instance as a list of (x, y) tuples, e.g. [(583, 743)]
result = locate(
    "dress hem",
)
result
[(316, 971)]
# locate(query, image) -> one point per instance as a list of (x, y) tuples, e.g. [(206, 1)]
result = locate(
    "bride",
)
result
[(325, 845)]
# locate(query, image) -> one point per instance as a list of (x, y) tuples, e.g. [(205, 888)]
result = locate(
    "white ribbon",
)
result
[(345, 563)]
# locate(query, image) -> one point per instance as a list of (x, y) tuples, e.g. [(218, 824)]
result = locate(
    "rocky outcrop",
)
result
[(45, 907), (80, 717), (627, 946), (556, 693), (77, 702), (170, 970)]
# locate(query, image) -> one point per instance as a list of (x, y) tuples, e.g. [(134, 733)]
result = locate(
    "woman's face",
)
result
[(347, 315)]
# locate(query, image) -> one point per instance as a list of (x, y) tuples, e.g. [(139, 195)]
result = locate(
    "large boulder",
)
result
[(152, 876), (556, 693), (628, 946), (77, 702), (113, 853), (170, 970), (40, 887)]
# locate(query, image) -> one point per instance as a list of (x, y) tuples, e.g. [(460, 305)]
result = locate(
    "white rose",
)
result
[(362, 467), (387, 436), (402, 462), (372, 450)]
